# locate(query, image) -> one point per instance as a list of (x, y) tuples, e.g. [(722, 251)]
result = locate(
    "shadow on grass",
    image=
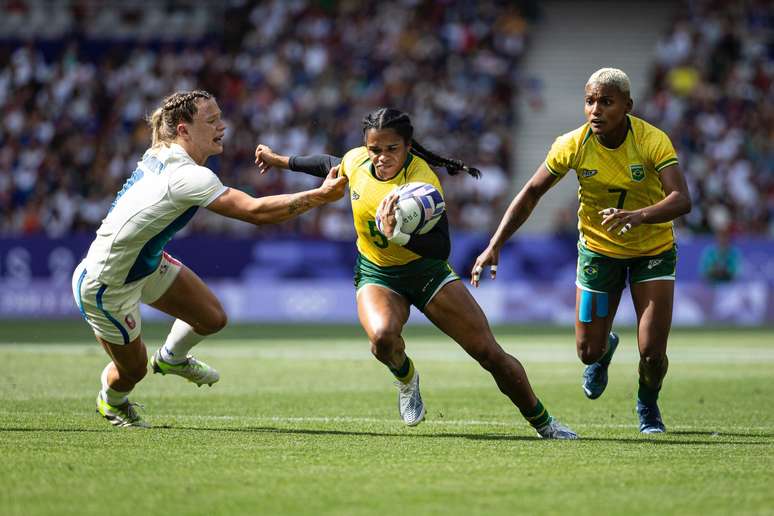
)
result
[(659, 440), (653, 439)]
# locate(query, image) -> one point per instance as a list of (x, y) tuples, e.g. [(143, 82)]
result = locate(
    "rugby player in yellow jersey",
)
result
[(631, 189), (395, 271)]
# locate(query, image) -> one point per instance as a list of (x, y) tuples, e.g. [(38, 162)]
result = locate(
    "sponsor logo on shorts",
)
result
[(590, 271), (655, 263), (588, 173), (638, 172), (355, 195), (130, 322)]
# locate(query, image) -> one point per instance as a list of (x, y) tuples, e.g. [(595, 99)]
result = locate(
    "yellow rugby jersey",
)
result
[(367, 191), (626, 177)]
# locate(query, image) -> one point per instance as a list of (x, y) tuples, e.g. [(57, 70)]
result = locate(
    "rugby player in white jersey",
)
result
[(126, 263)]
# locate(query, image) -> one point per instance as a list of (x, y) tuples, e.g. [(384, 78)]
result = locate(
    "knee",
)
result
[(652, 358), (214, 323), (384, 342), (588, 350)]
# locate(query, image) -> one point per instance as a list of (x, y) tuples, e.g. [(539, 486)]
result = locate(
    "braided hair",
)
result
[(398, 121), (176, 108)]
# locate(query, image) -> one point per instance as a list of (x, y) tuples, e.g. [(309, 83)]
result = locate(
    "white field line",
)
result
[(548, 353), (392, 421)]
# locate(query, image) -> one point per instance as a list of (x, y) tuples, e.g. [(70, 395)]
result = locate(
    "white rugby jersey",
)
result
[(158, 200)]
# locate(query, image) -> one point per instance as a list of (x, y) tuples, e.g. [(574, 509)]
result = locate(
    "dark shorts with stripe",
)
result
[(418, 281), (599, 273)]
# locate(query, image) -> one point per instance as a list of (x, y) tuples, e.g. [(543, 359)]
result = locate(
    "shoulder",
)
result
[(574, 139), (419, 170), (354, 158), (645, 131)]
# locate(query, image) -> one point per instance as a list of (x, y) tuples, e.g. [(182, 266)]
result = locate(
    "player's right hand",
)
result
[(264, 158), (334, 185), (490, 257)]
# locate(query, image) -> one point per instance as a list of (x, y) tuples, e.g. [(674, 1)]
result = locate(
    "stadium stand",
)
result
[(296, 75)]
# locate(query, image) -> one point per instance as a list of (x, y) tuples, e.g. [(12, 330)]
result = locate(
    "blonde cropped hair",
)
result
[(176, 108), (611, 77)]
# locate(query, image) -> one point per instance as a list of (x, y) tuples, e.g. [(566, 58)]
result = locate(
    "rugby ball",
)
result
[(421, 206)]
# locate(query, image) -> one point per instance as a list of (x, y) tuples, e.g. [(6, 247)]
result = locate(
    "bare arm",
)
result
[(517, 213), (272, 209), (677, 202)]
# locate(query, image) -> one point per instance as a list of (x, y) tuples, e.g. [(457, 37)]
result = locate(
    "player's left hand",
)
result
[(620, 221), (387, 213)]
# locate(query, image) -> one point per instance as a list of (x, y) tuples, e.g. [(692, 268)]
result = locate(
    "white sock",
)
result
[(112, 396), (179, 342)]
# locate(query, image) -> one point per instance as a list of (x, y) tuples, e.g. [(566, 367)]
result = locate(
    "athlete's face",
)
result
[(204, 136), (606, 108), (387, 150)]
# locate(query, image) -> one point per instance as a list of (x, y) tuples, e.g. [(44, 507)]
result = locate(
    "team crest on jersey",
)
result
[(355, 195), (590, 271), (588, 173), (638, 172)]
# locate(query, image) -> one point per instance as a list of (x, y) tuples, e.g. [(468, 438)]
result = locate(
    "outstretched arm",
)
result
[(315, 164), (272, 209), (517, 213)]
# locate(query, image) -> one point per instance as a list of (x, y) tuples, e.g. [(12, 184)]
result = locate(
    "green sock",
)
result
[(405, 372), (537, 416)]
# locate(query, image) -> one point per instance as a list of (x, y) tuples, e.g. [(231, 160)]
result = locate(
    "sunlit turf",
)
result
[(304, 421)]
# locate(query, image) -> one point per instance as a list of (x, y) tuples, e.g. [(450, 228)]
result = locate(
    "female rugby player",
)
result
[(126, 263), (395, 270), (631, 189)]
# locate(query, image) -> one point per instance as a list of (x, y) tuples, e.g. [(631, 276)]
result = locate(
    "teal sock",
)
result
[(538, 416), (647, 395), (405, 372)]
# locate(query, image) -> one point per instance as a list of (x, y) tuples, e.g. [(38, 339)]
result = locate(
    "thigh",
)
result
[(456, 313), (594, 315), (188, 298), (653, 301), (381, 310)]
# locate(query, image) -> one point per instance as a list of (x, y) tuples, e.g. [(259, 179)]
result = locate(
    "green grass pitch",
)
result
[(304, 421)]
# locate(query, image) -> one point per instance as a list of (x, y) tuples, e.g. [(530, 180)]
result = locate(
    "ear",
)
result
[(629, 105), (182, 130)]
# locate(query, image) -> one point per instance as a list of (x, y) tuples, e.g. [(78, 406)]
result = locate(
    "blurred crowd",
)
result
[(298, 75), (713, 91)]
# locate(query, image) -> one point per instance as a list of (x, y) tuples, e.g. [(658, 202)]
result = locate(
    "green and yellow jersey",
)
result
[(367, 191), (626, 177)]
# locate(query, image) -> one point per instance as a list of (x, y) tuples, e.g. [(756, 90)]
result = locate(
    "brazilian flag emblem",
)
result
[(590, 271), (638, 172)]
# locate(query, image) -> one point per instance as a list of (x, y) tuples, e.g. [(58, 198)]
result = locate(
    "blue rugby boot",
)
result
[(650, 418), (595, 375)]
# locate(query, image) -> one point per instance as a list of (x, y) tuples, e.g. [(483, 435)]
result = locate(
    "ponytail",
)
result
[(398, 121), (453, 166), (155, 124)]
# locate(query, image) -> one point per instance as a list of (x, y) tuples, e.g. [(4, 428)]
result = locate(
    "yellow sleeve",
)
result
[(661, 150), (562, 155)]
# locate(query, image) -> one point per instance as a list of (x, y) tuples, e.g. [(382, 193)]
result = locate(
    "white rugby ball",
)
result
[(421, 206)]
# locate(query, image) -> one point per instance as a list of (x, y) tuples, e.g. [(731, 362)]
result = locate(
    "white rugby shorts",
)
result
[(113, 312)]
